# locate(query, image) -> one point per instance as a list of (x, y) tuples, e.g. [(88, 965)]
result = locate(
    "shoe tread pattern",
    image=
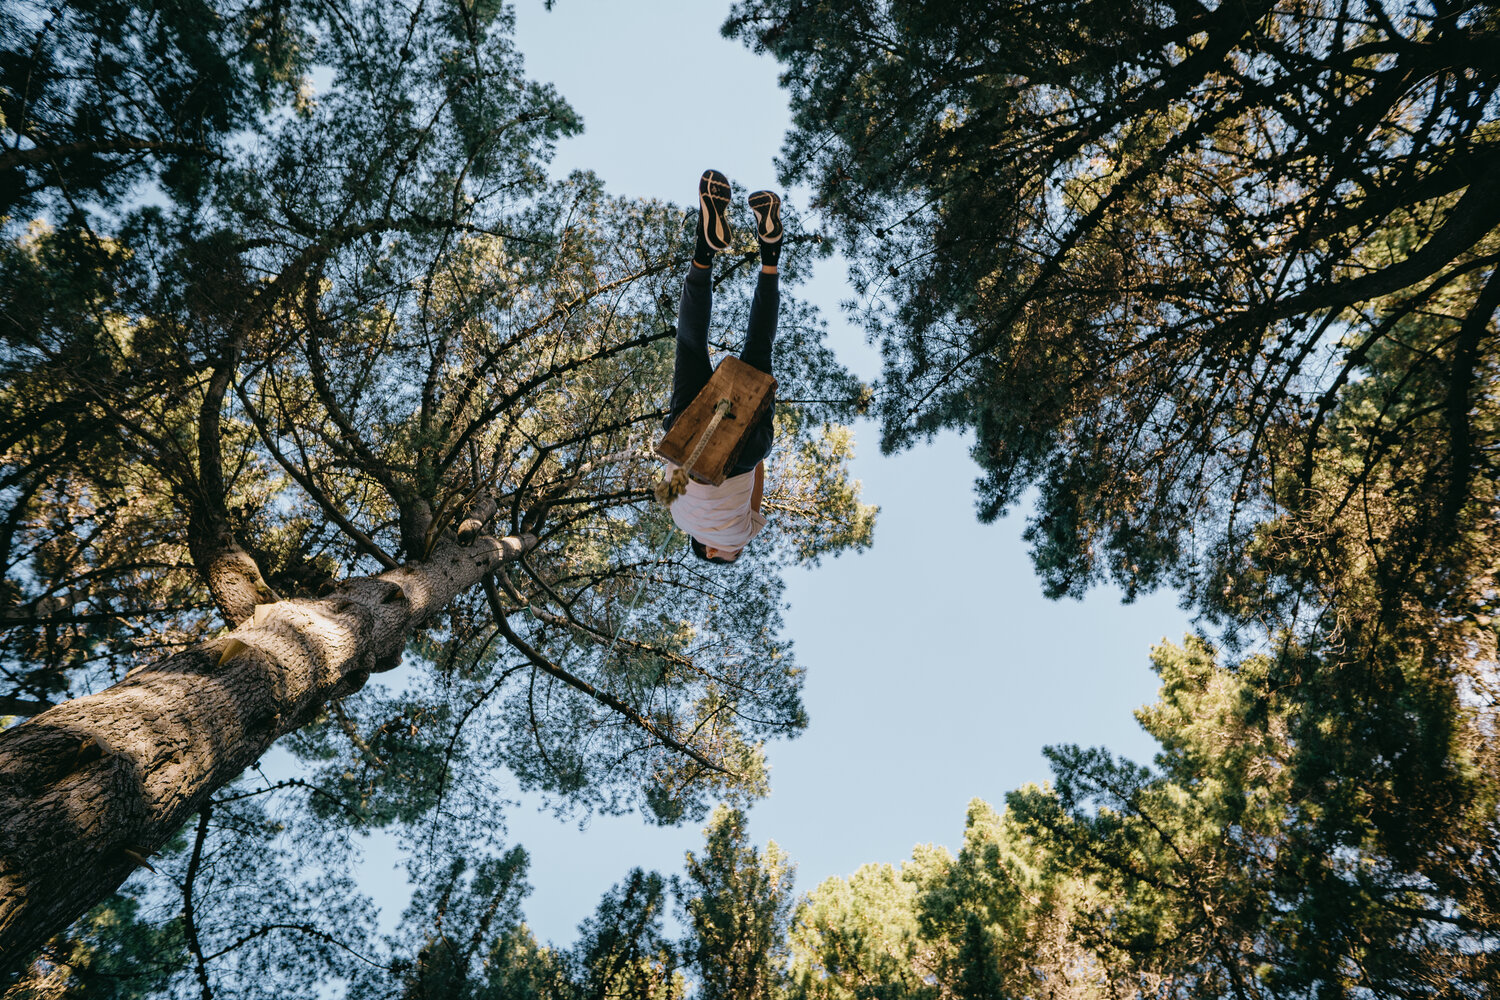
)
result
[(767, 208), (713, 209)]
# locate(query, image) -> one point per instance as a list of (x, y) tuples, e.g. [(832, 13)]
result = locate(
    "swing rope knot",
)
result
[(671, 487)]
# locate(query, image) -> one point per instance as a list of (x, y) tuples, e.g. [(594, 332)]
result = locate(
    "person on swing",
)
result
[(722, 519)]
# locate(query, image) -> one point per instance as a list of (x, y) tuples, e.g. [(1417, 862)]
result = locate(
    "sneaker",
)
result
[(767, 208), (713, 210)]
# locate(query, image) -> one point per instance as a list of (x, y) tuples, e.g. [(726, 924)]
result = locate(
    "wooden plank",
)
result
[(750, 392)]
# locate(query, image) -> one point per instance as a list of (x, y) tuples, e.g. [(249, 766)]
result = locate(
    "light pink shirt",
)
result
[(719, 516)]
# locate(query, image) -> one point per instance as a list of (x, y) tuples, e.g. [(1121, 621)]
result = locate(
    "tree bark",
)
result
[(91, 788), (232, 574)]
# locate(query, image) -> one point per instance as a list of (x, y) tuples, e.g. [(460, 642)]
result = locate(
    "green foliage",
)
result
[(337, 307), (1221, 284), (110, 954), (623, 950), (257, 898), (817, 503), (453, 928), (997, 920), (858, 936), (1208, 874), (1141, 250), (85, 537), (736, 900), (97, 97), (1220, 865), (463, 937)]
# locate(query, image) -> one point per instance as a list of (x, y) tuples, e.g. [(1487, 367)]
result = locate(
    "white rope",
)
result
[(675, 485), (666, 491), (630, 611)]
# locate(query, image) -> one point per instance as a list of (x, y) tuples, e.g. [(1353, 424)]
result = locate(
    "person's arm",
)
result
[(760, 485)]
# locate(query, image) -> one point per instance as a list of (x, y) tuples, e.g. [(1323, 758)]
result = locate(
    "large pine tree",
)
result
[(370, 377), (1143, 251)]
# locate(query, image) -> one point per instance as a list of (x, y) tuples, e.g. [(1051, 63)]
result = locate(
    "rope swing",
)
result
[(739, 395), (669, 488)]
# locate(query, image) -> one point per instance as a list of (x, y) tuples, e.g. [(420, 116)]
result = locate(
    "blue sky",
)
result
[(936, 671)]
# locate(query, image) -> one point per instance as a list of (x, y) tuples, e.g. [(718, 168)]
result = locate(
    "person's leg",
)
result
[(691, 371), (760, 344), (766, 306), (757, 445), (765, 309), (760, 335)]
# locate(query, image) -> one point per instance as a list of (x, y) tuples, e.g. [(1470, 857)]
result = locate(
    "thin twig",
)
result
[(189, 923)]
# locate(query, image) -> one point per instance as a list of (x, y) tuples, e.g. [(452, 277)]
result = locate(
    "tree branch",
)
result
[(603, 697), (189, 922)]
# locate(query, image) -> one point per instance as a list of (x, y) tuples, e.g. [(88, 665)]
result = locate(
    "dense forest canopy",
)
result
[(271, 367), (1143, 250)]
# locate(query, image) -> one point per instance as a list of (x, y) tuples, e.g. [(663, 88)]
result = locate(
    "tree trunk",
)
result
[(232, 575), (89, 789)]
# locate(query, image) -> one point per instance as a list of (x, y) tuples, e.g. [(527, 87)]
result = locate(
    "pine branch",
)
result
[(603, 697)]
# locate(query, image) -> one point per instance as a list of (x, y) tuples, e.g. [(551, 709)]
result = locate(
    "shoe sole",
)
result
[(713, 206), (767, 208)]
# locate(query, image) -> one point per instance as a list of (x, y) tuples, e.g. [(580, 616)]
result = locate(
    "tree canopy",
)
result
[(1143, 250), (1220, 283), (284, 398), (1196, 877)]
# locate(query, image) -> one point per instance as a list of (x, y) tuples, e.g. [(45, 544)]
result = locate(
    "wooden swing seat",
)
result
[(750, 392)]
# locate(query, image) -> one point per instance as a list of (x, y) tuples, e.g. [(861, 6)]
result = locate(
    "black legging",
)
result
[(692, 370)]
